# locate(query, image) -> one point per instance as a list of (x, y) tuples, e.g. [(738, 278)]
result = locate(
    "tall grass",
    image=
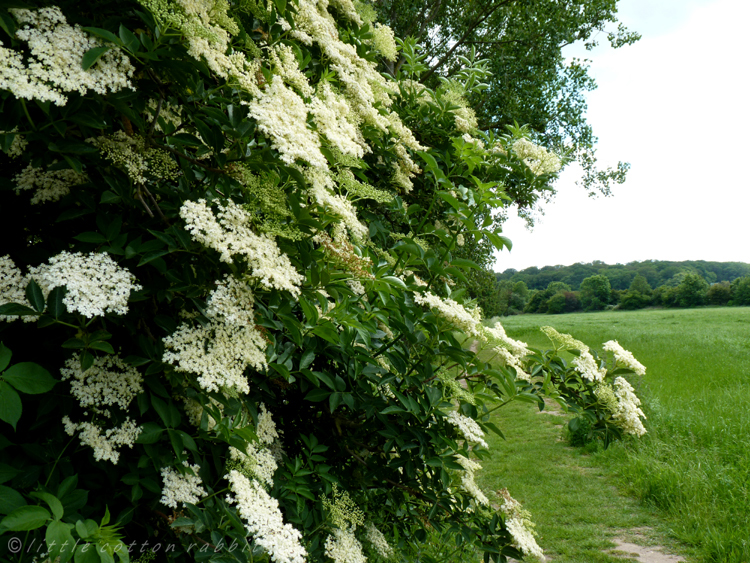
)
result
[(694, 463)]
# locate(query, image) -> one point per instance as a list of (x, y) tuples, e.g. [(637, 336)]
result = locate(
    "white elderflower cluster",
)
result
[(384, 42), (19, 142), (53, 66), (343, 547), (129, 153), (266, 429), (13, 288), (263, 520), (285, 65), (108, 382), (497, 335), (467, 479), (377, 541), (208, 29), (455, 313), (468, 428), (254, 462), (96, 284), (217, 353), (321, 189), (519, 524), (563, 341), (335, 120), (232, 302), (629, 413), (538, 159), (588, 367), (511, 360), (47, 185), (282, 116), (228, 232), (181, 487), (625, 357), (104, 444)]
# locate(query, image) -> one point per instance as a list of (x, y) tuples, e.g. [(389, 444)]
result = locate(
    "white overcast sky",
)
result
[(676, 105)]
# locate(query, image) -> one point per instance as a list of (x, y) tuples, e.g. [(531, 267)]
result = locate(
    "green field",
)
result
[(694, 463)]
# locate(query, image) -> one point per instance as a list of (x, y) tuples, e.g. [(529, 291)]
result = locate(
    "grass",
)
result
[(572, 500), (694, 463)]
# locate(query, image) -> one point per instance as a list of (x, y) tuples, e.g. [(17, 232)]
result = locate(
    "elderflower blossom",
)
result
[(217, 353), (343, 547), (342, 510), (13, 288), (467, 479), (18, 144), (321, 189), (536, 158), (513, 361), (48, 185), (181, 487), (266, 428), (129, 153), (629, 413), (335, 120), (263, 520), (377, 541), (563, 341), (104, 445), (625, 357), (496, 334), (228, 232), (384, 41), (468, 428), (465, 320), (54, 63), (96, 284), (588, 367), (519, 524), (107, 382), (232, 302), (285, 65), (282, 116), (194, 411), (257, 463)]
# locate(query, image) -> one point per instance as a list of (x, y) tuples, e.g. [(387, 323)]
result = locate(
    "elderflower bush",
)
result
[(243, 255)]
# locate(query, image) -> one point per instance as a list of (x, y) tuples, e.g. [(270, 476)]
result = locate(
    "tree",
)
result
[(692, 291), (530, 82), (741, 291), (719, 293), (595, 293)]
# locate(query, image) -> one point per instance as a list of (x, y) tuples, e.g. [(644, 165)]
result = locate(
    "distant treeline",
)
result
[(597, 286)]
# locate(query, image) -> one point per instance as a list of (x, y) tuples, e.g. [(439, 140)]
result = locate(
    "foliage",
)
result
[(741, 291), (692, 291), (531, 82), (595, 293), (719, 293), (242, 249)]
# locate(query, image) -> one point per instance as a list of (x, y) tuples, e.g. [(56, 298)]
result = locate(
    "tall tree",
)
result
[(531, 82)]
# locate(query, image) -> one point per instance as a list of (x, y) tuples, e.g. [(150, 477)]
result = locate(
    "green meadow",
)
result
[(693, 466)]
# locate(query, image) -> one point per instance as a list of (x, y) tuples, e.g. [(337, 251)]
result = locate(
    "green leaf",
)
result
[(7, 472), (306, 359), (10, 404), (16, 310), (92, 237), (87, 360), (87, 553), (149, 256), (55, 306), (129, 40), (35, 296), (463, 263), (5, 355), (102, 346), (92, 55), (30, 378), (109, 197), (25, 518), (60, 541), (53, 502), (10, 500), (104, 34)]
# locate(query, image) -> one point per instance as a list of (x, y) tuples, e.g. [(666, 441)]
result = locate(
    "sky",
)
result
[(676, 106)]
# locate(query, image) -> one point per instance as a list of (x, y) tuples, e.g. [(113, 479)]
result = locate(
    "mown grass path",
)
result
[(572, 499), (694, 463)]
